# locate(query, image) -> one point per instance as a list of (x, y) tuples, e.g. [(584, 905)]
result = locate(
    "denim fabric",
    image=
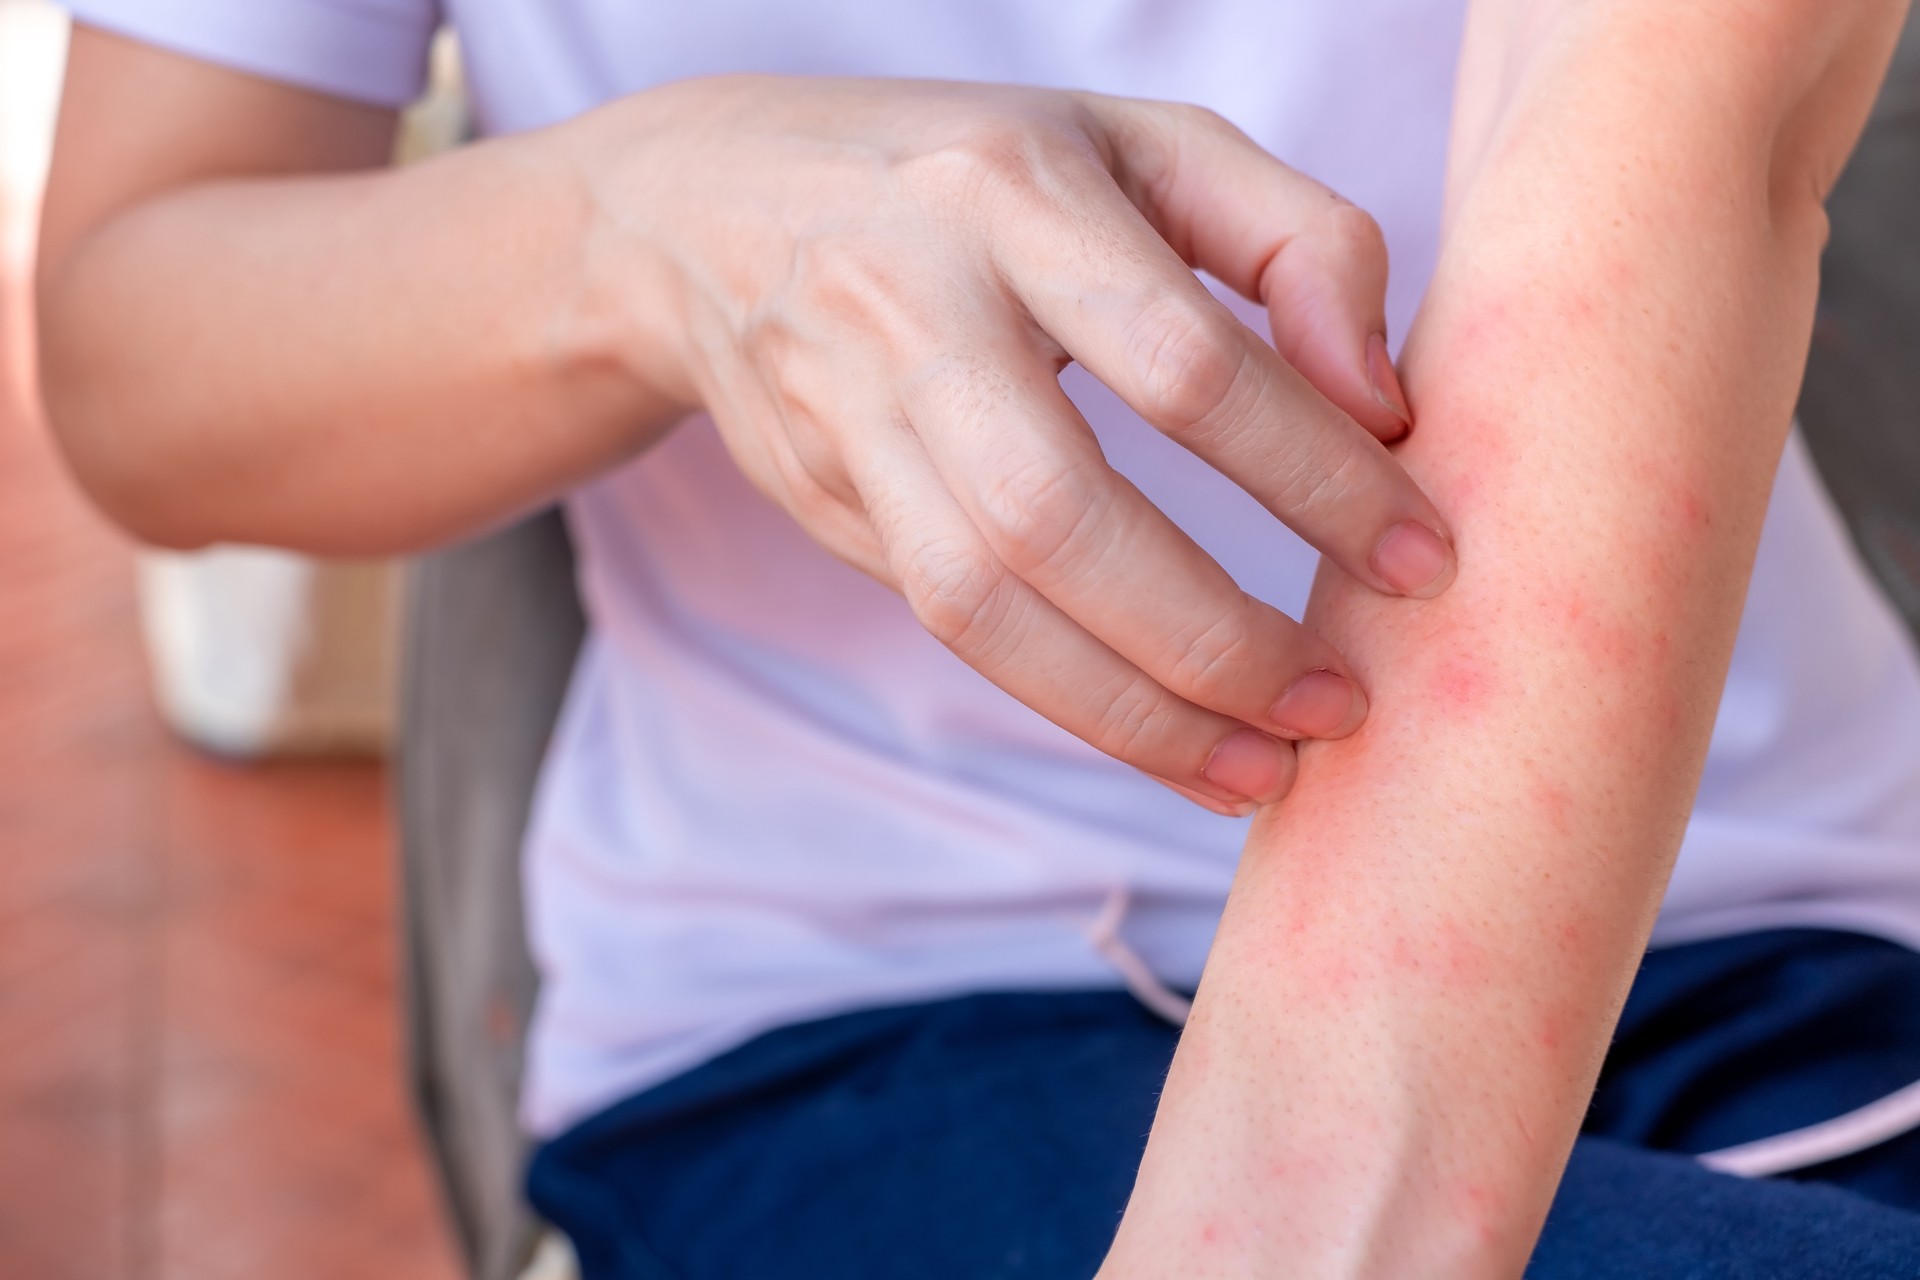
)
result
[(997, 1135)]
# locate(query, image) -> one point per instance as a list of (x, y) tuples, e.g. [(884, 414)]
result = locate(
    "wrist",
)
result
[(1369, 1205), (1341, 1132), (607, 314)]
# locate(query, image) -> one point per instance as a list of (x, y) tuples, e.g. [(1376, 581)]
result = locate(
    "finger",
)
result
[(1220, 807), (1316, 262), (774, 426), (1323, 287), (1009, 633), (1103, 285), (1027, 471)]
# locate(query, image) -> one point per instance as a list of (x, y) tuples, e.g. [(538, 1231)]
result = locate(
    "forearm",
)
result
[(1429, 940), (363, 362)]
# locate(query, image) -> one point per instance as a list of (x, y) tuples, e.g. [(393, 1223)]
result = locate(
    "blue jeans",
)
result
[(997, 1135)]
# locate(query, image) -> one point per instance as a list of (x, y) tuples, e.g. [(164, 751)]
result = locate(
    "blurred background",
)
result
[(201, 1065)]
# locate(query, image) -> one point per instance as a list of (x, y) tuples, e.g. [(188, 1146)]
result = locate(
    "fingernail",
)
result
[(1385, 382), (1320, 704), (1251, 764), (1225, 808), (1414, 560)]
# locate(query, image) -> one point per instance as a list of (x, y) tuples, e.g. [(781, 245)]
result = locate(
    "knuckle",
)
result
[(1210, 666), (987, 159), (957, 592), (815, 459), (958, 386), (1135, 721), (1342, 244), (1190, 364), (847, 289), (806, 493), (803, 389), (1353, 232), (1172, 122), (1320, 480), (1033, 510), (804, 472), (1193, 117)]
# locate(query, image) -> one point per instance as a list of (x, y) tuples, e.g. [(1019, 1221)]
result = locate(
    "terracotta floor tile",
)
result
[(63, 1198), (200, 1055), (42, 1248)]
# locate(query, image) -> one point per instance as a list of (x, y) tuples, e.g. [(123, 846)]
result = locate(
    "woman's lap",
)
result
[(996, 1136)]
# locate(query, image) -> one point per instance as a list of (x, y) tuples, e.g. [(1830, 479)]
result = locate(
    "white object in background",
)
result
[(33, 51), (33, 46), (552, 1260), (261, 652), (258, 652)]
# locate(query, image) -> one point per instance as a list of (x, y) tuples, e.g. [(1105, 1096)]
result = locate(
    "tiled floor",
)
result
[(199, 1055)]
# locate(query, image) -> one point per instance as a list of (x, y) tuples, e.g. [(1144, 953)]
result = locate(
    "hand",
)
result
[(874, 287)]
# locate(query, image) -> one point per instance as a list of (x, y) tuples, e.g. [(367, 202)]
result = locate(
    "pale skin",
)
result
[(1431, 933), (871, 286), (1430, 938)]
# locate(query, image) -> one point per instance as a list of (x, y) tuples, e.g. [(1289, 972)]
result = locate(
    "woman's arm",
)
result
[(253, 330), (1430, 938), (254, 333)]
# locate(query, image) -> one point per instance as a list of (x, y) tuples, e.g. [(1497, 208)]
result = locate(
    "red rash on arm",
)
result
[(1556, 802), (1462, 684), (1428, 941)]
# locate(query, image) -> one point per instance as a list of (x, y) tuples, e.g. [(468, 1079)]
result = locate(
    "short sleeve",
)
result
[(367, 50)]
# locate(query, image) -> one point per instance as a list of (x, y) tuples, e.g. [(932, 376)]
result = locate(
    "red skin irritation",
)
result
[(1478, 458), (1332, 981), (1688, 508), (1462, 684), (1481, 1204), (1550, 1035), (1448, 951), (1609, 646), (1612, 648), (1674, 715), (1482, 1210), (1622, 273), (1298, 1168), (1487, 324), (1693, 510), (1462, 954), (1556, 802), (1579, 307), (1462, 486)]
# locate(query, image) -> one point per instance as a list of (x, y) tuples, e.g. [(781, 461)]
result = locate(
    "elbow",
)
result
[(1830, 99), (123, 471), (131, 492), (1804, 154), (1797, 207)]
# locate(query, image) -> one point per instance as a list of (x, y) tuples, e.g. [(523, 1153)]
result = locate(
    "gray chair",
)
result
[(1860, 404), (493, 628)]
